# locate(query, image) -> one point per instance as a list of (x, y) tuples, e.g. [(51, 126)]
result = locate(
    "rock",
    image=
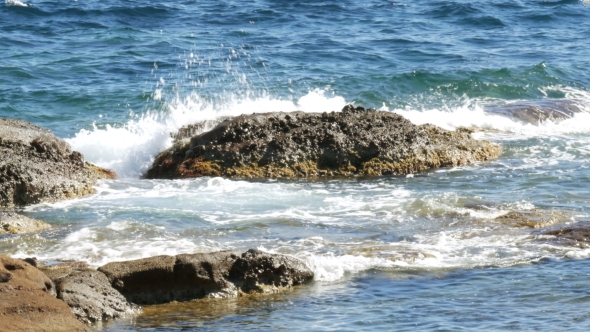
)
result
[(259, 272), (537, 112), (91, 297), (223, 274), (28, 302), (575, 236), (36, 166), (13, 223), (356, 141), (533, 218)]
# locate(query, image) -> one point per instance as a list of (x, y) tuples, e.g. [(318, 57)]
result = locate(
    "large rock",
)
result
[(91, 297), (28, 302), (538, 111), (222, 274), (13, 223), (297, 144), (36, 166)]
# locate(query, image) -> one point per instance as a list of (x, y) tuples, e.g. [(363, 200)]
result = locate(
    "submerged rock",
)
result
[(28, 302), (13, 223), (533, 218), (356, 141), (575, 236), (36, 166), (221, 274), (537, 112)]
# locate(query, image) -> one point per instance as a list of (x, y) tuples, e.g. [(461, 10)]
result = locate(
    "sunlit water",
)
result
[(426, 251)]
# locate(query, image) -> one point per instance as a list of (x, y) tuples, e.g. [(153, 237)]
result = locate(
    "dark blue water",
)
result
[(425, 252), (64, 64)]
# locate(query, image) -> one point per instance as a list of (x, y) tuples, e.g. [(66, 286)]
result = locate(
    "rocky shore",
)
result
[(67, 295), (356, 141), (36, 166)]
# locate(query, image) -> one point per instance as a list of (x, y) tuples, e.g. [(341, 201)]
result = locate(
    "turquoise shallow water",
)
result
[(116, 78)]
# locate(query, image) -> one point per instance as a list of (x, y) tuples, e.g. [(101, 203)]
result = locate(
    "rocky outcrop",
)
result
[(36, 166), (13, 223), (537, 111), (91, 297), (356, 141), (28, 302), (222, 274)]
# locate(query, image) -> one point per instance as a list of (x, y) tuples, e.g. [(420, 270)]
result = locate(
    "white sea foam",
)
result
[(16, 3)]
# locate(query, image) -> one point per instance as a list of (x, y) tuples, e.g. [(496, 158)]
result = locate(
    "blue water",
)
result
[(115, 79)]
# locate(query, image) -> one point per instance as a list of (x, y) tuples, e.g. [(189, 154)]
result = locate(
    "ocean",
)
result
[(429, 251)]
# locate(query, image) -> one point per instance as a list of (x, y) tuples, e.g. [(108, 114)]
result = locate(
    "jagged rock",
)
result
[(36, 166), (537, 111), (28, 302), (13, 223), (356, 141), (221, 274), (91, 297)]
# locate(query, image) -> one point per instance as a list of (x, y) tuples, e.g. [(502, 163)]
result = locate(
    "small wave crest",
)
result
[(16, 3)]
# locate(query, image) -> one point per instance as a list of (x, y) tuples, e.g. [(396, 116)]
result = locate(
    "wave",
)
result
[(129, 149), (16, 3)]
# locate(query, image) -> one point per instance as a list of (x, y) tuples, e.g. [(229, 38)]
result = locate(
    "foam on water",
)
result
[(16, 3)]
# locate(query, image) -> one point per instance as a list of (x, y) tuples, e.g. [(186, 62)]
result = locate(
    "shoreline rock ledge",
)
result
[(222, 274), (356, 141), (36, 166)]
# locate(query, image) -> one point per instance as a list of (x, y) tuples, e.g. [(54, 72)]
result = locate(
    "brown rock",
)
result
[(36, 166), (28, 303), (537, 111), (91, 297), (223, 274), (575, 236), (356, 141), (13, 223)]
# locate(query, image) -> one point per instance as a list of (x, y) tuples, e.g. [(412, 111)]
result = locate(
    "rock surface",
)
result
[(537, 112), (575, 236), (356, 141), (222, 274), (533, 218), (91, 297), (36, 166), (14, 223), (28, 302)]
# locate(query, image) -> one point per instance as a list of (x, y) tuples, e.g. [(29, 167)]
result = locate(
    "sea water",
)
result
[(425, 251)]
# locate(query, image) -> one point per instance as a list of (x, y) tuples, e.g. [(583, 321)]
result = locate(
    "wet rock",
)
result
[(224, 274), (533, 218), (28, 302), (538, 111), (36, 166), (13, 223), (356, 141), (91, 297), (258, 272), (574, 236)]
